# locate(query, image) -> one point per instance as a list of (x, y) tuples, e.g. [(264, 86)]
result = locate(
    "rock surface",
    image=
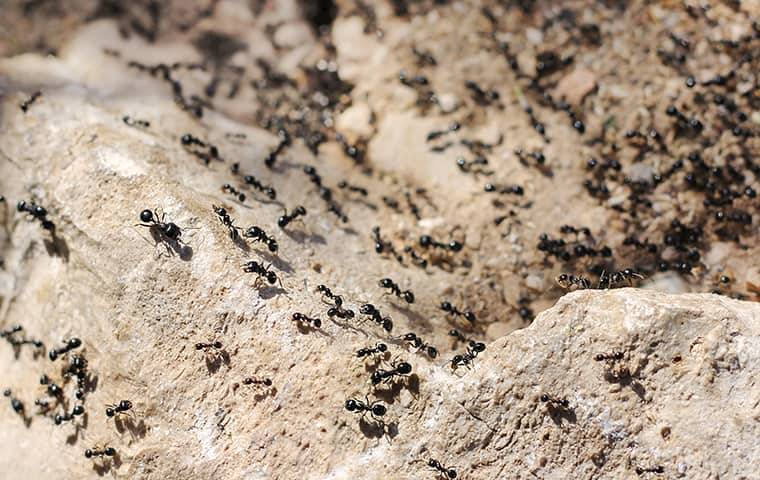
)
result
[(683, 398)]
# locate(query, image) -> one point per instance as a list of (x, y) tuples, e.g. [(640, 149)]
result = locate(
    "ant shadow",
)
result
[(627, 381), (215, 362), (389, 395), (278, 262), (182, 250), (558, 414), (107, 465), (78, 428), (90, 383), (378, 429), (136, 429), (307, 328), (240, 243), (262, 394), (36, 354), (301, 237), (413, 317), (271, 291), (57, 247), (349, 231)]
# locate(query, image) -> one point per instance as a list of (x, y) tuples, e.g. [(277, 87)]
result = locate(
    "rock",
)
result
[(574, 86), (448, 102)]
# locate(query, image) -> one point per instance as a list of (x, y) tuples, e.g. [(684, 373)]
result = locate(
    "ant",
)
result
[(98, 452), (371, 311), (16, 404), (376, 409), (262, 271), (53, 389), (466, 359), (188, 140), (256, 381), (407, 295), (228, 222), (453, 127), (234, 191), (28, 102), (606, 280), (481, 97), (121, 407), (413, 340), (11, 331), (259, 235), (472, 166), (168, 231), (568, 281), (609, 357), (37, 212), (427, 241), (326, 292), (336, 209), (416, 258), (284, 142), (77, 367), (643, 470), (400, 369), (458, 335), (132, 122), (208, 346), (379, 349), (265, 189), (286, 218), (343, 185), (70, 344), (300, 317), (452, 310), (504, 189), (546, 398), (340, 312), (443, 472), (77, 411), (615, 371), (382, 246)]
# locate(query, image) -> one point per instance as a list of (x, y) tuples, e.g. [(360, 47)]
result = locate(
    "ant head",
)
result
[(146, 216), (455, 246), (432, 352), (271, 277), (300, 210), (386, 283), (446, 306), (408, 296), (381, 347), (272, 246), (78, 410), (469, 316), (367, 309), (267, 382), (477, 346), (426, 240), (186, 139), (544, 397), (317, 322), (451, 473), (110, 451), (110, 412), (125, 404), (269, 191), (217, 345), (376, 377), (88, 452), (21, 206), (74, 343)]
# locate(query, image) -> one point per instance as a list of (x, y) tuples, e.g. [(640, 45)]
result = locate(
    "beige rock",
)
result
[(574, 86)]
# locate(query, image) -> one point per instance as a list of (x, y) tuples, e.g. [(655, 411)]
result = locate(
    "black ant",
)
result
[(286, 218), (132, 122), (262, 271), (379, 349), (424, 58), (66, 417), (407, 295), (466, 359), (371, 311), (376, 409), (504, 189), (400, 369), (78, 368), (567, 281), (37, 212), (14, 329), (474, 166), (228, 222), (70, 344), (546, 398), (382, 246), (343, 185), (416, 342), (427, 241), (453, 127), (443, 472), (326, 292), (53, 389), (234, 191), (452, 310), (28, 102), (615, 371), (606, 280), (284, 142), (188, 141), (417, 259), (259, 235), (16, 404), (121, 407), (642, 470), (257, 381), (168, 231), (336, 209), (481, 97), (609, 357), (340, 312), (458, 335), (265, 189), (208, 346), (100, 452), (300, 317)]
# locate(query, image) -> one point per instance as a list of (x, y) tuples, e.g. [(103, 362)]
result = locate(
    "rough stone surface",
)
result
[(684, 397)]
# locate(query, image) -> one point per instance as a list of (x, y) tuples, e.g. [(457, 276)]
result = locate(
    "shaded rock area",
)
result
[(470, 152)]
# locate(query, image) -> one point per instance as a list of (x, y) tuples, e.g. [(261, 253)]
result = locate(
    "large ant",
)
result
[(452, 310), (376, 409), (407, 295), (167, 231), (100, 452), (379, 349), (228, 222), (400, 369), (259, 235), (286, 218), (66, 417), (466, 359), (371, 311), (116, 409), (262, 272), (443, 472), (417, 343), (70, 344), (265, 189)]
